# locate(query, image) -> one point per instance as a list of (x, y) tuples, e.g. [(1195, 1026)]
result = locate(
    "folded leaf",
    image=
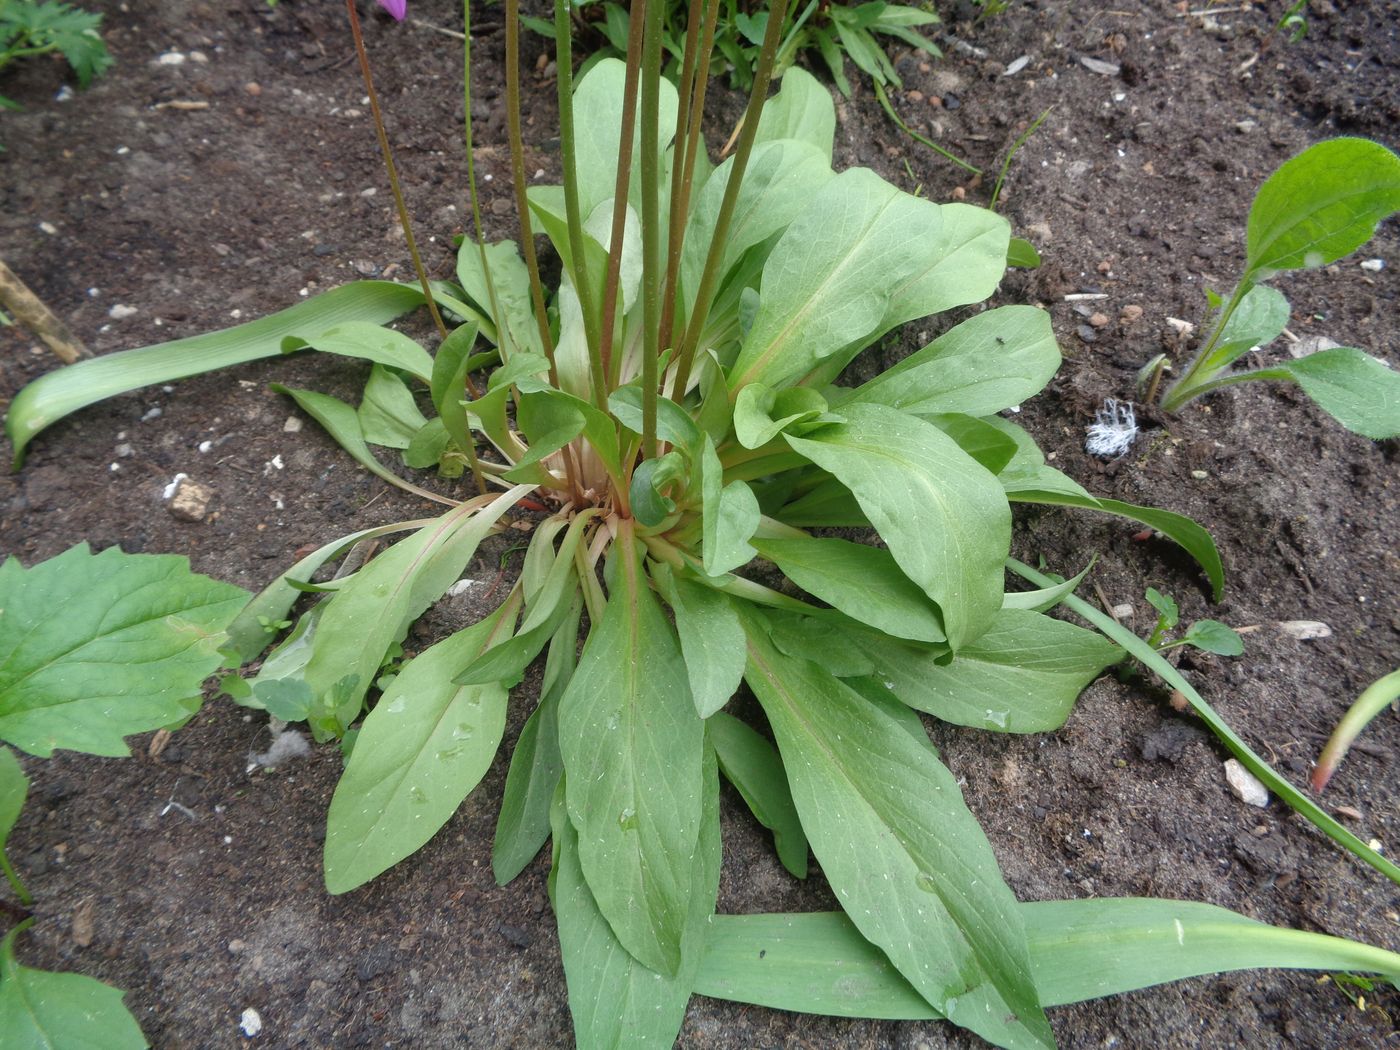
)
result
[(94, 647)]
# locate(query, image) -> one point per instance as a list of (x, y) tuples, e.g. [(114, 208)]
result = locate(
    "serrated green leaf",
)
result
[(53, 396), (1320, 206), (61, 1011), (941, 514), (752, 765), (1022, 676), (94, 647), (864, 582), (920, 881), (632, 747), (420, 752)]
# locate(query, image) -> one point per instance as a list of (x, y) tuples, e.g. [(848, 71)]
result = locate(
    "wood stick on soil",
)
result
[(29, 311)]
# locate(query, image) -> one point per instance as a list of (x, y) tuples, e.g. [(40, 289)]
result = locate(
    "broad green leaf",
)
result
[(800, 110), (1086, 949), (752, 765), (509, 279), (761, 413), (1022, 676), (712, 642), (448, 387), (1258, 320), (941, 514), (908, 861), (53, 396), (1321, 205), (864, 582), (247, 637), (1354, 388), (835, 642), (650, 478), (730, 516), (428, 446), (673, 423), (987, 444), (420, 752), (1212, 636), (388, 414), (373, 611), (990, 362), (1021, 253), (535, 764), (616, 1002), (61, 1011), (372, 342), (780, 178), (94, 647), (834, 275), (342, 423), (632, 747), (598, 100)]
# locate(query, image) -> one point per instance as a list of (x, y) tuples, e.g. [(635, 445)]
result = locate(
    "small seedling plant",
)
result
[(710, 508), (1315, 209), (1209, 636), (29, 28)]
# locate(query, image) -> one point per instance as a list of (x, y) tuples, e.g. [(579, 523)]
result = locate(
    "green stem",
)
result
[(389, 167), (651, 221), (14, 880), (564, 61), (1011, 154), (884, 101), (503, 338), (1189, 387), (1242, 751), (517, 178), (1368, 705), (763, 74)]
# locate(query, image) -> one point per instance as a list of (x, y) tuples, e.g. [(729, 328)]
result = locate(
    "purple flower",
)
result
[(397, 8)]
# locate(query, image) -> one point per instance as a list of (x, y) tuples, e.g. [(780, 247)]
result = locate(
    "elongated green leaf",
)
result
[(864, 582), (372, 342), (939, 511), (94, 647), (535, 764), (51, 397), (61, 1011), (1321, 205), (632, 747), (1043, 599), (819, 962), (833, 274), (712, 641), (1022, 676), (990, 362), (985, 443), (616, 1002), (1354, 388), (729, 514), (1212, 636), (800, 110), (448, 387), (420, 752), (14, 788), (752, 765), (1261, 315), (511, 283), (388, 414), (1374, 699), (598, 100), (919, 880), (374, 609)]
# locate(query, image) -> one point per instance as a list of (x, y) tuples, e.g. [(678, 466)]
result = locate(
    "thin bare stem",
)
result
[(651, 223), (502, 335), (763, 73), (389, 166), (517, 178)]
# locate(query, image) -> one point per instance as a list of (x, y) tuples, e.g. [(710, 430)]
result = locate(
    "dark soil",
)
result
[(1136, 186)]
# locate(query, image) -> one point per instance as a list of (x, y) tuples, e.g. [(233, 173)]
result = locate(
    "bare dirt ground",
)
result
[(1135, 187)]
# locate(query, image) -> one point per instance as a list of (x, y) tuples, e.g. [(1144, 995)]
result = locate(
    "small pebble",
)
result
[(1304, 630), (188, 500), (48, 227), (1098, 320), (171, 58), (1086, 333), (1200, 475), (253, 88), (1374, 265), (1132, 312), (1245, 785), (250, 1023), (120, 312), (292, 425), (1123, 611)]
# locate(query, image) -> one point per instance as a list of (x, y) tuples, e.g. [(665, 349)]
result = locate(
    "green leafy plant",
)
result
[(1210, 636), (709, 505), (1315, 209), (1294, 21), (92, 649), (29, 29)]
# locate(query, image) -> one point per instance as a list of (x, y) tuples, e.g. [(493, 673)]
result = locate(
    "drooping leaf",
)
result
[(752, 765), (1044, 599), (616, 1001), (51, 397), (1357, 390), (1022, 676), (420, 752), (388, 414), (632, 747), (1321, 205), (94, 647), (990, 362), (1087, 949), (864, 582), (941, 513), (536, 765), (985, 443), (373, 342), (920, 881), (44, 1010)]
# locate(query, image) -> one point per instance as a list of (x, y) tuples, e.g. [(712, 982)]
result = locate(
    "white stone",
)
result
[(171, 58), (1245, 785), (1304, 630), (120, 312), (250, 1022)]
